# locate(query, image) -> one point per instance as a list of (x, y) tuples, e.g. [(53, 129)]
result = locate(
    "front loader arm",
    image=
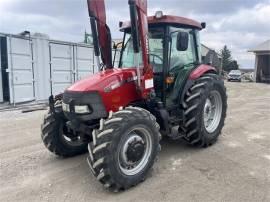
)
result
[(100, 31), (139, 29)]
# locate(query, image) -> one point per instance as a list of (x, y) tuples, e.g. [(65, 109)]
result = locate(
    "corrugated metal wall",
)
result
[(39, 67)]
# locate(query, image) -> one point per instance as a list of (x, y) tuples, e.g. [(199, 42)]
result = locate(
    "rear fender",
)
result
[(200, 70)]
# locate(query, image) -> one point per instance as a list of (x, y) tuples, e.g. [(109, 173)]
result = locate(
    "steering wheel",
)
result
[(175, 69), (157, 66), (153, 59)]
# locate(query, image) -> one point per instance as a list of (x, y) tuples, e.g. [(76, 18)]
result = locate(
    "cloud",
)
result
[(55, 18), (240, 24), (194, 6), (241, 31), (253, 21)]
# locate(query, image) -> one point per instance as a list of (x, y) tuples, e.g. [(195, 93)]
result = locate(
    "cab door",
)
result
[(181, 63)]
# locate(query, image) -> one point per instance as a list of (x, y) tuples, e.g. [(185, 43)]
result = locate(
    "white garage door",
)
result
[(20, 70), (61, 62)]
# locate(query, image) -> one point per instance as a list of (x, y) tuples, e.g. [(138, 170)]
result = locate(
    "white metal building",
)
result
[(262, 62), (205, 50), (34, 67)]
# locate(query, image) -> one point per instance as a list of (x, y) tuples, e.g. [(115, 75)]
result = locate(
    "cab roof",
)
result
[(167, 19)]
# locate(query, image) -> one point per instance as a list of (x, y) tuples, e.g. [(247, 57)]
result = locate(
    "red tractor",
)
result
[(160, 88)]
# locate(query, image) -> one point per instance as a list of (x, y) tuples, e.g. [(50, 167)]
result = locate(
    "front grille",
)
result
[(92, 99)]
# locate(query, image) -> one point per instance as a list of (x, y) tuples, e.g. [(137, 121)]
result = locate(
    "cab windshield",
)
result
[(155, 37), (156, 44)]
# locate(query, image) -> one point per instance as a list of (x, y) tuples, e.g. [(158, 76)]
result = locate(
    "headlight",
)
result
[(81, 109)]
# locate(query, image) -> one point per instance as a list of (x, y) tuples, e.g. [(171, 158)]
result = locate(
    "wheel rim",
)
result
[(69, 136), (135, 151), (212, 111)]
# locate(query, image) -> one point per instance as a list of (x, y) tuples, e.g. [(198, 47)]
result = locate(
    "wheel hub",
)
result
[(208, 109), (212, 111), (135, 151)]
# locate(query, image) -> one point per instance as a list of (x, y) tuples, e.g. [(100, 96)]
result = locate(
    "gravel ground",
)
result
[(236, 168)]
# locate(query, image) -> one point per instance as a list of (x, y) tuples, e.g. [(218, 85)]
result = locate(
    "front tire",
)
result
[(205, 110), (124, 148), (58, 138)]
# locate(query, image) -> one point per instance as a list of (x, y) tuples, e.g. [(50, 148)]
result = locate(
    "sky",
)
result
[(239, 24)]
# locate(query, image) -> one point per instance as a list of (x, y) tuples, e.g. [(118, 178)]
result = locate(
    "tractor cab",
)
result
[(174, 50)]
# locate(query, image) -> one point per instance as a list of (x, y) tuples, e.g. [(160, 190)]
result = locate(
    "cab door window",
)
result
[(181, 58)]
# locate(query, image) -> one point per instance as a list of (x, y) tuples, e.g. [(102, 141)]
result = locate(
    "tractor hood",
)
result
[(105, 81), (116, 87)]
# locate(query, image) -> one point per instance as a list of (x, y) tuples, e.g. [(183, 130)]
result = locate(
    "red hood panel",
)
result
[(116, 87), (99, 81)]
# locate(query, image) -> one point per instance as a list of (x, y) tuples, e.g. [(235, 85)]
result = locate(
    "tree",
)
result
[(226, 59), (233, 65)]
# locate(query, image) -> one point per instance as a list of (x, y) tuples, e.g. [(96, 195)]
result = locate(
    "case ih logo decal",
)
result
[(115, 85)]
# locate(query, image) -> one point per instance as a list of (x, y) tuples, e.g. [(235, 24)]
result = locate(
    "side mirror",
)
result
[(182, 41)]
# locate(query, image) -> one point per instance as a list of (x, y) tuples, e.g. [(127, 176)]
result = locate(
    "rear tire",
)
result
[(204, 121), (109, 152), (53, 131)]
